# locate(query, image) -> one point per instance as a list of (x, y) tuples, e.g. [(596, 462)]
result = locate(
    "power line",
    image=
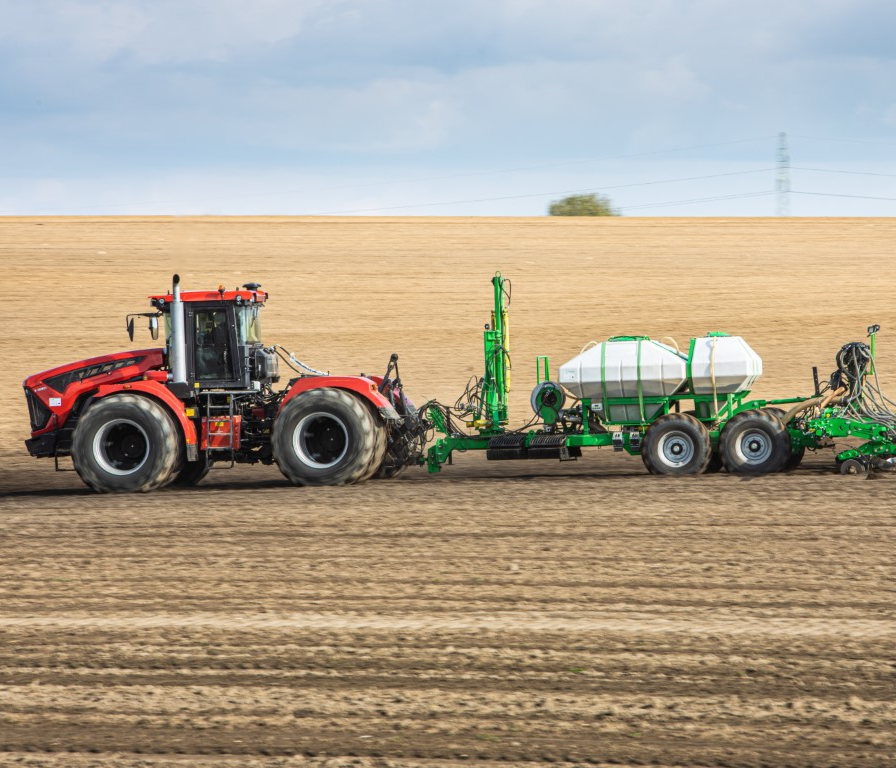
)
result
[(699, 200), (835, 194), (541, 194), (847, 141), (852, 173)]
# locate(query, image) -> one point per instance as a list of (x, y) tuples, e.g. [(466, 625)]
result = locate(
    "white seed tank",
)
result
[(723, 364), (615, 368)]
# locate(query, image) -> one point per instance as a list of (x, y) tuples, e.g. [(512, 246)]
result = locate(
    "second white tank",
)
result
[(723, 364)]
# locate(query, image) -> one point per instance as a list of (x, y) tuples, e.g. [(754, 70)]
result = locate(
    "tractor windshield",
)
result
[(248, 323)]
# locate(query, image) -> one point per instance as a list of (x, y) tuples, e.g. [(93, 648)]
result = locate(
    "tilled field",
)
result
[(497, 613)]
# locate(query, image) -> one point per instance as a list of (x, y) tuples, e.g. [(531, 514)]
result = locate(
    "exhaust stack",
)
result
[(178, 354)]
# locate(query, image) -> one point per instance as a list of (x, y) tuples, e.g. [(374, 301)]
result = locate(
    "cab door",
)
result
[(212, 338)]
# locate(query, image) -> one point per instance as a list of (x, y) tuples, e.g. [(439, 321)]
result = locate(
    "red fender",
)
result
[(365, 387), (159, 392)]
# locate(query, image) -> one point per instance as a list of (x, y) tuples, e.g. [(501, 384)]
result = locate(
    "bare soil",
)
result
[(497, 613)]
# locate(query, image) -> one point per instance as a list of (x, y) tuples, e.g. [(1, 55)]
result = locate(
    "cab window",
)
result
[(212, 334)]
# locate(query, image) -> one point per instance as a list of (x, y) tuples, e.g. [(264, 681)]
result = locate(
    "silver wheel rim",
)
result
[(320, 440), (754, 447), (121, 447), (676, 449)]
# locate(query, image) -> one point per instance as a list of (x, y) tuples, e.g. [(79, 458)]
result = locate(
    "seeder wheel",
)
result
[(853, 467), (676, 444), (754, 443)]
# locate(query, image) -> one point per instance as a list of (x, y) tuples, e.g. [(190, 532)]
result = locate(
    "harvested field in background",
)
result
[(496, 613)]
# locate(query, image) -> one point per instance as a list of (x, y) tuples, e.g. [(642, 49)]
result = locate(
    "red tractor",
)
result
[(136, 421)]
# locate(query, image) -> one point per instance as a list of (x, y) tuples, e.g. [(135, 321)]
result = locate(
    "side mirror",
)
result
[(131, 328), (154, 326)]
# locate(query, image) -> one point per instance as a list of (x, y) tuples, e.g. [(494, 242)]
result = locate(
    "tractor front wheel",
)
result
[(191, 473), (327, 437), (126, 442)]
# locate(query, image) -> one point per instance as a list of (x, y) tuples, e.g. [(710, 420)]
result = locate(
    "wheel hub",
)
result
[(755, 447), (321, 440), (121, 447), (676, 449)]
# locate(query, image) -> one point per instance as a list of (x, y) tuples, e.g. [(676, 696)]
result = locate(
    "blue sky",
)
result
[(404, 107)]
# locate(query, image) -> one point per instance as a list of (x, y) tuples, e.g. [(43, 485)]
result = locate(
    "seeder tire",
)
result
[(754, 443), (127, 443), (326, 437), (676, 444), (795, 458), (715, 464), (853, 468)]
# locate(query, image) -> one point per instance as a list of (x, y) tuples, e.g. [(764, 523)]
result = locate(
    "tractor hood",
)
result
[(107, 369)]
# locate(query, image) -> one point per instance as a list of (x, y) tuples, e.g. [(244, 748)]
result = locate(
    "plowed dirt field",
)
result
[(503, 613)]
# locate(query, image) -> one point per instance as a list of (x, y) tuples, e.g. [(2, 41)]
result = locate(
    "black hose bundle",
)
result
[(858, 389)]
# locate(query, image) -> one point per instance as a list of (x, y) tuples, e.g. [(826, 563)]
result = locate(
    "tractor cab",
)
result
[(213, 339)]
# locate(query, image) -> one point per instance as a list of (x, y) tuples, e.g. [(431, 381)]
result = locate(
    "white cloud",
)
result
[(140, 88)]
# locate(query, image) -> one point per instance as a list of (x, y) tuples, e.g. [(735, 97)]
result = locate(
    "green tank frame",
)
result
[(489, 419)]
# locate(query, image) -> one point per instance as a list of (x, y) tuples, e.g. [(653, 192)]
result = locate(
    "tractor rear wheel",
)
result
[(126, 442), (380, 449), (326, 437), (676, 444), (388, 469), (754, 443)]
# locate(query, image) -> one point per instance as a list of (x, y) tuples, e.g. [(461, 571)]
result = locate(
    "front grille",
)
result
[(61, 382), (39, 413)]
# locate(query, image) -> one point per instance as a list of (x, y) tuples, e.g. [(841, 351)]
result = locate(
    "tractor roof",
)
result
[(250, 293)]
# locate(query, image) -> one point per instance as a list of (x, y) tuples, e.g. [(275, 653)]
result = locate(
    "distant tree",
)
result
[(583, 205)]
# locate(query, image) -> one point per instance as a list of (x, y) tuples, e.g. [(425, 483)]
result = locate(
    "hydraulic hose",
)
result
[(834, 398)]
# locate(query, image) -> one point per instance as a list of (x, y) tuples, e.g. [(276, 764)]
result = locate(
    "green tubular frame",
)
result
[(495, 383), (491, 417)]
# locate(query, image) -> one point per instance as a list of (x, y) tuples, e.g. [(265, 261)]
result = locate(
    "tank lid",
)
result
[(717, 333), (629, 338)]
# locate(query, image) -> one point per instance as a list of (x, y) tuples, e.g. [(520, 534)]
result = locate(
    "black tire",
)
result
[(380, 449), (754, 443), (395, 462), (854, 468), (795, 458), (326, 437), (676, 444), (715, 463), (389, 469), (127, 443), (191, 473)]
